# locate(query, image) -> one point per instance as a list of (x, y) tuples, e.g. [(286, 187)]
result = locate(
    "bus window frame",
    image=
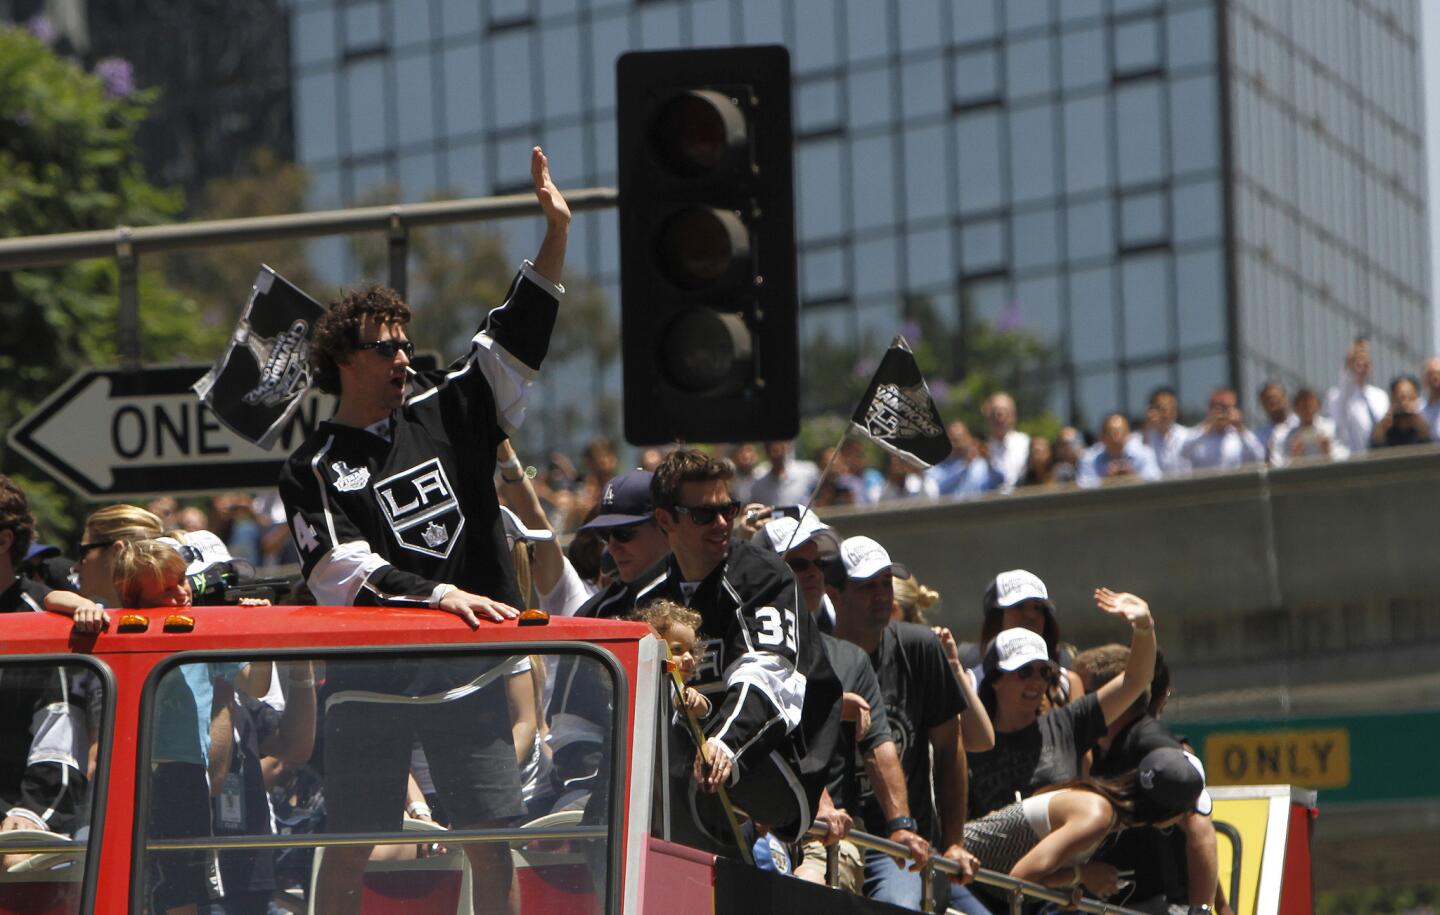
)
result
[(617, 810), (100, 785)]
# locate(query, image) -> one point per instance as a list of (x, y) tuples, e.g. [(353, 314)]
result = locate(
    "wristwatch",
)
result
[(899, 823)]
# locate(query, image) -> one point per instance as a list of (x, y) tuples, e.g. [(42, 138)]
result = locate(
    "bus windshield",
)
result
[(51, 718), (425, 781)]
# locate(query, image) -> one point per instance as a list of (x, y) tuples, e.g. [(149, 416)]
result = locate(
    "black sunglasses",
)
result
[(619, 534), (85, 548), (800, 564), (706, 514), (1043, 670), (388, 348)]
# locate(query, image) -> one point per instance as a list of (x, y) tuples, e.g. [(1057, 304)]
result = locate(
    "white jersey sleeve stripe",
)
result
[(775, 679), (340, 574)]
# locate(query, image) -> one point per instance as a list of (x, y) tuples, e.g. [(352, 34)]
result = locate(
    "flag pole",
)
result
[(810, 500), (698, 736)]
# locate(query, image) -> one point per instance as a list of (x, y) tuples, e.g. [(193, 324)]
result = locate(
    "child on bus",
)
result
[(680, 628)]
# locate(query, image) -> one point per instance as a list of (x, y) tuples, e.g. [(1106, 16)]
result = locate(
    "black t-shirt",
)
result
[(920, 692), (1157, 859), (847, 781), (1045, 753), (1130, 746), (23, 596)]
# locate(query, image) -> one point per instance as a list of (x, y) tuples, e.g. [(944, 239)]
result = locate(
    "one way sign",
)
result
[(113, 434)]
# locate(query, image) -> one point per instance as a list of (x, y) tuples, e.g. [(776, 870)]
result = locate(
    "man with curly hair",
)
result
[(391, 503)]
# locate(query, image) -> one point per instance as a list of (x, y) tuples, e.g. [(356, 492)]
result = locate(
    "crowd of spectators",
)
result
[(945, 739)]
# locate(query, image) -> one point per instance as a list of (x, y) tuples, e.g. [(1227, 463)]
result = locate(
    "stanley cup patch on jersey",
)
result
[(422, 509)]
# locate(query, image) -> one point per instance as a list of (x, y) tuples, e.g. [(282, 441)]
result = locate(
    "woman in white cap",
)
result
[(1018, 599), (1031, 750), (1048, 838)]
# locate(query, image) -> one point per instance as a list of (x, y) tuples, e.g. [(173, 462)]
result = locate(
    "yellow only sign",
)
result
[(1318, 758)]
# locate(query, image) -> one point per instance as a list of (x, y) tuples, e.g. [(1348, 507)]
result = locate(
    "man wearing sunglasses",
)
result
[(776, 697), (582, 702), (391, 502)]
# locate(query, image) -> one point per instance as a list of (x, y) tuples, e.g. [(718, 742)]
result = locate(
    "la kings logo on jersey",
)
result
[(422, 510)]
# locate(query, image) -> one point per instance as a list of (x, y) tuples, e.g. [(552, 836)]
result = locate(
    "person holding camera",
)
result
[(1117, 454), (1221, 439), (1403, 423), (1312, 436)]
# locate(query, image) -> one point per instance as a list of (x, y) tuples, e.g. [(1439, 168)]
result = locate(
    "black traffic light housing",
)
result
[(709, 314)]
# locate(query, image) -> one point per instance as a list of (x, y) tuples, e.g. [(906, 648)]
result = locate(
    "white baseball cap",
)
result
[(865, 558), (786, 533), (202, 549), (1014, 648), (1017, 586)]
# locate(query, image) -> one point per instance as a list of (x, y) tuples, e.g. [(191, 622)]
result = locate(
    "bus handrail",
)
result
[(1017, 888)]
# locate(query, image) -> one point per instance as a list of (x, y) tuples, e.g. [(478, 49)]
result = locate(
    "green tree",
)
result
[(68, 163), (220, 278)]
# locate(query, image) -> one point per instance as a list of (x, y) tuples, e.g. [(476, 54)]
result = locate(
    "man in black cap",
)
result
[(582, 707), (632, 538)]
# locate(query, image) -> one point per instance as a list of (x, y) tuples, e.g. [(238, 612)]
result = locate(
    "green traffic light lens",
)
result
[(695, 132), (707, 352), (699, 246)]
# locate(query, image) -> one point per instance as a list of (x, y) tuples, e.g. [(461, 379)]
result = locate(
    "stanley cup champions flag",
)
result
[(257, 385), (897, 412)]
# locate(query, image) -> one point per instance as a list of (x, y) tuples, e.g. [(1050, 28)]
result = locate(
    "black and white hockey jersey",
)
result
[(382, 521), (764, 668)]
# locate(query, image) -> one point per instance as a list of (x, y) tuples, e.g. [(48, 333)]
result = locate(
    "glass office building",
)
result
[(1185, 193)]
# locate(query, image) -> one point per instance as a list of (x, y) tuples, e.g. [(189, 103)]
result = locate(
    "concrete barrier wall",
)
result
[(1247, 564)]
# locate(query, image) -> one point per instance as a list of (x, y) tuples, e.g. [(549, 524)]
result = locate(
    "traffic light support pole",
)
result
[(125, 243)]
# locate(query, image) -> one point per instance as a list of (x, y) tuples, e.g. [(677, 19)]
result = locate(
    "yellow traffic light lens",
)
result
[(699, 245), (707, 352), (696, 131)]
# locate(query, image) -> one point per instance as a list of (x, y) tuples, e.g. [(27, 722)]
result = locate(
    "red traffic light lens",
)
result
[(696, 131), (707, 352), (699, 245)]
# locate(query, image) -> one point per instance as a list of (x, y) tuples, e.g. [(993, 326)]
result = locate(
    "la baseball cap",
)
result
[(1014, 648), (865, 558), (626, 500), (785, 533)]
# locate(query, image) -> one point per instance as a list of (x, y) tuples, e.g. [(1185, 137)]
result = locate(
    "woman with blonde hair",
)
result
[(105, 532), (912, 599)]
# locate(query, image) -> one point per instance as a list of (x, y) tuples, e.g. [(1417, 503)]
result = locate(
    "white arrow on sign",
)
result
[(93, 433)]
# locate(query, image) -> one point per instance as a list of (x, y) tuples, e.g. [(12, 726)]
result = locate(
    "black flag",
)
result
[(897, 412), (257, 385)]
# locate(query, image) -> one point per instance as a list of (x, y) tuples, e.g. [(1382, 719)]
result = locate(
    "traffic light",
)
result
[(709, 313)]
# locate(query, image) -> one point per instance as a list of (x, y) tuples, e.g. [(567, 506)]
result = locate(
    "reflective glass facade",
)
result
[(1329, 190), (1053, 164)]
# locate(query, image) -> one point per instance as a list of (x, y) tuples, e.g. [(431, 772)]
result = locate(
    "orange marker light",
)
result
[(534, 618), (133, 622), (179, 622)]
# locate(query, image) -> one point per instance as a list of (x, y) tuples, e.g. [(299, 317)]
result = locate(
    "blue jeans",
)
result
[(888, 883)]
